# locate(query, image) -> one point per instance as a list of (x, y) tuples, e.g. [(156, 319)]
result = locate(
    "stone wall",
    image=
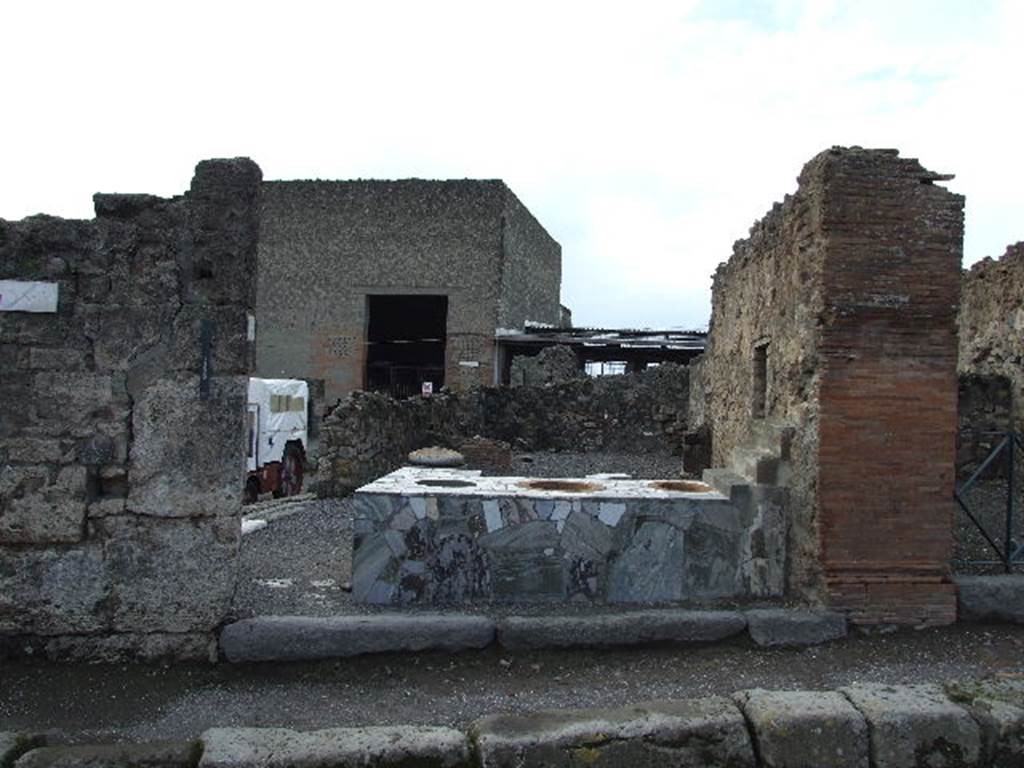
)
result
[(992, 322), (552, 365), (984, 414), (123, 448), (845, 295), (327, 245), (531, 271), (369, 434)]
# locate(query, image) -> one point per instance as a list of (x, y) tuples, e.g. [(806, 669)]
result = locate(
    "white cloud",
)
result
[(646, 138)]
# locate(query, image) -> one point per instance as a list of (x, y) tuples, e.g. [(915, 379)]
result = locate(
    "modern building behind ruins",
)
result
[(389, 284)]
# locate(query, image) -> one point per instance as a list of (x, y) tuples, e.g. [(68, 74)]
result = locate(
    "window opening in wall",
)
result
[(605, 367), (406, 337), (760, 380)]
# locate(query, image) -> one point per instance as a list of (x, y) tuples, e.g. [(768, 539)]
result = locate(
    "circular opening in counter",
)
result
[(682, 486), (568, 486), (445, 483)]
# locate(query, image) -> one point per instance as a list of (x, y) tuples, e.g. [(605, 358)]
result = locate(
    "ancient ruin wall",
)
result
[(992, 322), (769, 294), (888, 397), (121, 441), (531, 269), (848, 292), (370, 434), (325, 245)]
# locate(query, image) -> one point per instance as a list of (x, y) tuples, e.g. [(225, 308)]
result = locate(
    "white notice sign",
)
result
[(427, 389), (26, 296)]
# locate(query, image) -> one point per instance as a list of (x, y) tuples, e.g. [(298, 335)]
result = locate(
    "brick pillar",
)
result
[(888, 397)]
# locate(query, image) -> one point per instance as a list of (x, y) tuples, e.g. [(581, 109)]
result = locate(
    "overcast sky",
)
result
[(646, 137)]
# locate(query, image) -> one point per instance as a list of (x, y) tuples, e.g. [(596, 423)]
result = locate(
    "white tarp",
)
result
[(27, 296), (278, 409)]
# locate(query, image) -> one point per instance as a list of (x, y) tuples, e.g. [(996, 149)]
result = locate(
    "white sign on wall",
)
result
[(427, 389), (27, 296)]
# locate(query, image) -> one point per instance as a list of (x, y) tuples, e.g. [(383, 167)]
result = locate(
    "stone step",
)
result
[(723, 479)]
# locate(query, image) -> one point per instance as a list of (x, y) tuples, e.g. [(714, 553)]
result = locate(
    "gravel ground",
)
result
[(106, 703)]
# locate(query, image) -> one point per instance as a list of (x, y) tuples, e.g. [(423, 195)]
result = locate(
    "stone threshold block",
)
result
[(154, 755), (916, 726), (805, 729), (337, 747), (783, 626), (305, 638), (699, 732), (521, 633), (990, 598)]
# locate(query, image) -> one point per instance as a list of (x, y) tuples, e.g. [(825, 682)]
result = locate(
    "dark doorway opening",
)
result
[(406, 340)]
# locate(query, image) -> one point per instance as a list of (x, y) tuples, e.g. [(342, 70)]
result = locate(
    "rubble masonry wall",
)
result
[(992, 323), (369, 434), (120, 463)]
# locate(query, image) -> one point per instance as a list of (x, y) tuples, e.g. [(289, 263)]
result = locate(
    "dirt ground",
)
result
[(134, 702)]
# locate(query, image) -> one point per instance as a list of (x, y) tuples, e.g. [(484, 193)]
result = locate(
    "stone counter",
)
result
[(433, 536)]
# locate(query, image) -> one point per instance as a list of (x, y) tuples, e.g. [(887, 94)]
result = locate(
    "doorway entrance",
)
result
[(406, 337)]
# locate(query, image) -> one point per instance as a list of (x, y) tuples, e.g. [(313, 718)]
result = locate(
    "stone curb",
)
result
[(371, 746), (779, 626), (522, 633), (990, 598), (915, 725), (976, 725), (13, 745), (153, 755), (698, 732), (305, 638)]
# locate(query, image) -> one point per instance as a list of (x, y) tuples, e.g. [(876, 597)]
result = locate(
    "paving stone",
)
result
[(997, 705), (991, 598), (781, 626), (296, 638), (698, 732), (916, 726), (518, 633), (14, 744), (336, 747), (166, 754), (806, 729)]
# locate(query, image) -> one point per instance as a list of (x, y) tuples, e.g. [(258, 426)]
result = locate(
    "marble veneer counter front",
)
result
[(433, 536)]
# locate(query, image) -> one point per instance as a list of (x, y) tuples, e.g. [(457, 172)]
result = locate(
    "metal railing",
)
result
[(1009, 551)]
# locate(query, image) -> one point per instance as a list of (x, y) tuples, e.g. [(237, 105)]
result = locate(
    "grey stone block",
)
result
[(155, 755), (340, 747), (991, 598), (53, 591), (188, 455), (295, 638), (170, 575), (997, 704), (13, 745), (806, 729), (519, 633), (916, 726), (781, 626), (699, 732)]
